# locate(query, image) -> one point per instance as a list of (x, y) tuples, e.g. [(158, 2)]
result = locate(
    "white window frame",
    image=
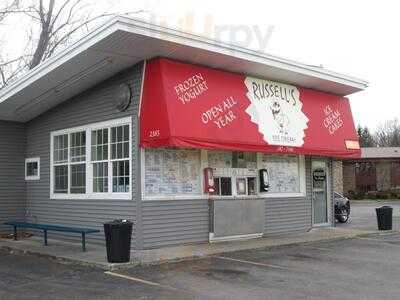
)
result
[(89, 164), (32, 160), (204, 164)]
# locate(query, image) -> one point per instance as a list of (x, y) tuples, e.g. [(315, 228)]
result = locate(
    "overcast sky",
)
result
[(358, 38)]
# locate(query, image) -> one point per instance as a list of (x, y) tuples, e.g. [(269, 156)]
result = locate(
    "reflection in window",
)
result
[(100, 177), (120, 142), (251, 186), (32, 169), (60, 148), (223, 186), (121, 176), (78, 146), (100, 144), (78, 179), (241, 186), (61, 179)]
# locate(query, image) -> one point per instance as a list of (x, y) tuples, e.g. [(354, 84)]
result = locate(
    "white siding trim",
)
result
[(141, 87)]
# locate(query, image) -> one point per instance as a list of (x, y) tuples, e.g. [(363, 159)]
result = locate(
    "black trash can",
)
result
[(118, 240), (384, 217)]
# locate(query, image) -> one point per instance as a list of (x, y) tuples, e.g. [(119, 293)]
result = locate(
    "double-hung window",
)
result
[(93, 161)]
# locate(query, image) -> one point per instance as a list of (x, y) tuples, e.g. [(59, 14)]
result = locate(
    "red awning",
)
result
[(189, 106)]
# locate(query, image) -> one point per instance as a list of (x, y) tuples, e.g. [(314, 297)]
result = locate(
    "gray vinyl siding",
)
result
[(285, 215), (12, 173), (172, 222), (94, 105)]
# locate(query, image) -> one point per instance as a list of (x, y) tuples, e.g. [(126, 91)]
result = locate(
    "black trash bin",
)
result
[(118, 240), (384, 217)]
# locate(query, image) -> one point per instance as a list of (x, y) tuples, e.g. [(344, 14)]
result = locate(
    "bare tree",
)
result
[(55, 24), (365, 137), (7, 8), (388, 134)]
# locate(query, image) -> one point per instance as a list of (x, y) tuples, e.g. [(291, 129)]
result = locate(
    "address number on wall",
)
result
[(154, 133)]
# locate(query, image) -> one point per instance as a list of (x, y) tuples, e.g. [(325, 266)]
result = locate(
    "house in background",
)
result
[(378, 170)]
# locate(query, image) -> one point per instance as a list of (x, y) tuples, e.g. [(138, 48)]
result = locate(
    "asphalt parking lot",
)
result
[(363, 214), (366, 267), (360, 268)]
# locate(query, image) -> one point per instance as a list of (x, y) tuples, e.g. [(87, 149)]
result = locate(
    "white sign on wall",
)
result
[(276, 109), (172, 172)]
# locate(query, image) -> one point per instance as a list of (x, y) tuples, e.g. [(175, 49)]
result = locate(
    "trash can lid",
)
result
[(118, 221)]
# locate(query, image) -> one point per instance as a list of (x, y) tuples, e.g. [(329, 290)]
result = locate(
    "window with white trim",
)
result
[(32, 168), (93, 161)]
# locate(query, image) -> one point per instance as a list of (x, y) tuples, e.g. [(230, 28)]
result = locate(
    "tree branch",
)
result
[(80, 26), (54, 26), (12, 61)]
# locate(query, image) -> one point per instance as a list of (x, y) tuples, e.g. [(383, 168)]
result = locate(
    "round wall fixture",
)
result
[(122, 97)]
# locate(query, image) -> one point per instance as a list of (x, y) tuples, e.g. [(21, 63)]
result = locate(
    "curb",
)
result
[(61, 260), (117, 266)]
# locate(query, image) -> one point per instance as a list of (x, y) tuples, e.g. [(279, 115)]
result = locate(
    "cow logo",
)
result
[(280, 117), (276, 109)]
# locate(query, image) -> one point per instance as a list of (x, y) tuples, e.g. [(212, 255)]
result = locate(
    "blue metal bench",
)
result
[(46, 227)]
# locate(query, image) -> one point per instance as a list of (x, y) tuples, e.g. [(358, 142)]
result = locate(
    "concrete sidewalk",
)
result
[(96, 255)]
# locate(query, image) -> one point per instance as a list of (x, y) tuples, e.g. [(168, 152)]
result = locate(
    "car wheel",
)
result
[(343, 217)]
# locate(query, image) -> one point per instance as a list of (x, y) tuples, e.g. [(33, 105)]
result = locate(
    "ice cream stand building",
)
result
[(193, 140)]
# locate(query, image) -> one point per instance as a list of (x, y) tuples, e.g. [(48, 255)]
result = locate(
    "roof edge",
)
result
[(191, 39), (352, 81)]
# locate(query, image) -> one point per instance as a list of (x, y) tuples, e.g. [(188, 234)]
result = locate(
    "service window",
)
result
[(226, 186), (32, 168), (234, 172), (251, 186), (223, 186), (241, 186)]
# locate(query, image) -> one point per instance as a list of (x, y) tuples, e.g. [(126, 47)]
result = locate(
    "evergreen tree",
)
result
[(365, 137)]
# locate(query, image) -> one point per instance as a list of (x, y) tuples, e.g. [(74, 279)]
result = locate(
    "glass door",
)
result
[(319, 192)]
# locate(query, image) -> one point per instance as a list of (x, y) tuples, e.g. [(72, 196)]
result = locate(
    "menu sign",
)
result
[(172, 172), (283, 171)]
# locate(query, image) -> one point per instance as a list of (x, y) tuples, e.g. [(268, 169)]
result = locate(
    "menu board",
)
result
[(283, 171), (172, 172)]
